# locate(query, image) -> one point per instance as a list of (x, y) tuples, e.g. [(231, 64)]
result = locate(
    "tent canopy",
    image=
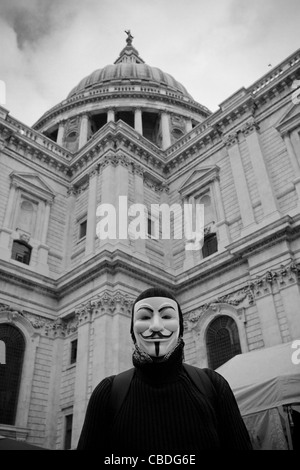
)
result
[(264, 378)]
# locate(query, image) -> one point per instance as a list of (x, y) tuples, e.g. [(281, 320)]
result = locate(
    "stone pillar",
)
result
[(167, 244), (108, 186), (138, 122), (165, 128), (61, 132), (121, 198), (221, 224), (138, 175), (84, 128), (82, 373), (69, 225), (290, 294), (9, 207), (91, 213), (268, 320), (295, 164), (111, 115), (295, 139), (188, 125), (53, 406), (43, 249), (264, 182), (241, 186)]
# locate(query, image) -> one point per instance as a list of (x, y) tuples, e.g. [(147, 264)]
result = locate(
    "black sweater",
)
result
[(164, 412)]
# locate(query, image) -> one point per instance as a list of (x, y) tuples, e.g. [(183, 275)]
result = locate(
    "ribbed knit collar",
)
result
[(166, 369)]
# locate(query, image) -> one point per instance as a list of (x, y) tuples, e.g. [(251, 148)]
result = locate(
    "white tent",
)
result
[(264, 382)]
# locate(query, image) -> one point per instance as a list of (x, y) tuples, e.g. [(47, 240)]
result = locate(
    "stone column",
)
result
[(138, 122), (43, 249), (267, 314), (69, 225), (84, 128), (167, 244), (53, 406), (111, 115), (221, 224), (188, 125), (165, 128), (61, 132), (295, 164), (241, 186), (82, 372), (138, 175), (91, 213), (295, 139), (6, 231), (264, 182), (121, 198), (288, 283)]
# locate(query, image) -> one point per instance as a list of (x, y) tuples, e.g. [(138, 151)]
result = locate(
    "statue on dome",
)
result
[(129, 37)]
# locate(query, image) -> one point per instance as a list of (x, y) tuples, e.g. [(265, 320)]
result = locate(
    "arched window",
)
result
[(222, 341), (21, 251), (10, 372), (26, 216), (209, 215)]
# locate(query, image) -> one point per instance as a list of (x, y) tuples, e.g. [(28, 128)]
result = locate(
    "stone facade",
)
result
[(243, 159)]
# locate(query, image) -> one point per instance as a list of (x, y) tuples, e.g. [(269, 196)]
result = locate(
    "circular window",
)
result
[(71, 137), (177, 133)]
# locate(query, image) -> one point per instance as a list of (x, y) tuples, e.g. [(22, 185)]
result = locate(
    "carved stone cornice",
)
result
[(115, 160), (256, 288), (58, 328), (107, 303)]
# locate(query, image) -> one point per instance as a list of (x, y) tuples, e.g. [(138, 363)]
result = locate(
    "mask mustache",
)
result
[(157, 334)]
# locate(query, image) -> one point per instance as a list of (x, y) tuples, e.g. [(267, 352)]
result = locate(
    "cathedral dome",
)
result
[(142, 96), (137, 73)]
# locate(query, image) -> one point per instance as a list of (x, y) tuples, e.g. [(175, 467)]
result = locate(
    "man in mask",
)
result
[(168, 406)]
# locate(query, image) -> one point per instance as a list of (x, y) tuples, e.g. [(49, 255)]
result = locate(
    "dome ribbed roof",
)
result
[(122, 72), (129, 67)]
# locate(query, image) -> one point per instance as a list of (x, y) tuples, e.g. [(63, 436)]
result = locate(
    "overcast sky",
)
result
[(213, 47)]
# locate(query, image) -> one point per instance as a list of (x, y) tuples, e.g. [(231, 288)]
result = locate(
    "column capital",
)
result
[(231, 140), (137, 169), (93, 172), (249, 128)]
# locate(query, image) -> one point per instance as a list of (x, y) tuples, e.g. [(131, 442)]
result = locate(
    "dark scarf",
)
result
[(160, 369)]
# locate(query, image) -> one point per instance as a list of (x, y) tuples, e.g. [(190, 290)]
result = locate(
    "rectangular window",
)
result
[(82, 229), (73, 355), (68, 432)]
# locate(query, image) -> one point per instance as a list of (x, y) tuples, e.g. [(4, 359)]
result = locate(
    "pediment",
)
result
[(198, 179), (290, 120), (34, 184)]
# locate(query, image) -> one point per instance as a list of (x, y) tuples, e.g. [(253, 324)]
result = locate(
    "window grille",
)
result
[(210, 245), (222, 341), (21, 252)]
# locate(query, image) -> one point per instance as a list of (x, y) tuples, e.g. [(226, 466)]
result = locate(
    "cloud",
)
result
[(212, 48), (33, 20)]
